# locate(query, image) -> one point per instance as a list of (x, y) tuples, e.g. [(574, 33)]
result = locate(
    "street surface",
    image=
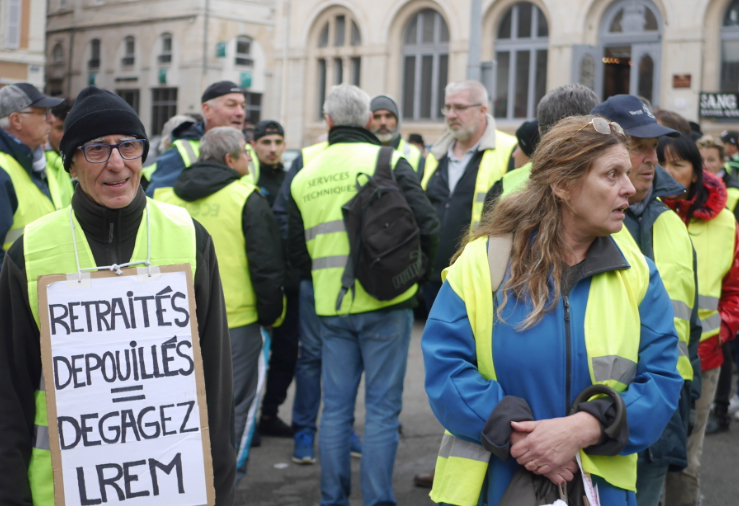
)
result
[(274, 480)]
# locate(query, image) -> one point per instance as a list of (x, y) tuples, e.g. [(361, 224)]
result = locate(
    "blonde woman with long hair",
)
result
[(547, 298)]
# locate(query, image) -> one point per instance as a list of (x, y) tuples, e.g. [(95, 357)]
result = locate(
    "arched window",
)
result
[(425, 65), (338, 53), (730, 49), (243, 51), (94, 61), (129, 50), (165, 49), (57, 54), (521, 53)]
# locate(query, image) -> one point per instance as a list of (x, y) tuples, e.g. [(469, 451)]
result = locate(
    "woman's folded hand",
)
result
[(550, 444)]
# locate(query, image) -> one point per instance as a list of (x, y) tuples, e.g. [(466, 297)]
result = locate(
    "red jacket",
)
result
[(728, 305)]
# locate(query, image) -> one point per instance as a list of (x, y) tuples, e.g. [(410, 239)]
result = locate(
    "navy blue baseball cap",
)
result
[(634, 117)]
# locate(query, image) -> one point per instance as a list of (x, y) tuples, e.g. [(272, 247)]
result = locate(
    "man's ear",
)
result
[(15, 121), (329, 121), (72, 169)]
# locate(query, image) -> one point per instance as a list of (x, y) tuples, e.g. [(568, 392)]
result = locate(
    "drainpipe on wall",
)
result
[(69, 66), (475, 42), (285, 52), (206, 18)]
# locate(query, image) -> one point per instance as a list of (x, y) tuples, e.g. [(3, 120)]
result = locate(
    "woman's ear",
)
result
[(560, 191)]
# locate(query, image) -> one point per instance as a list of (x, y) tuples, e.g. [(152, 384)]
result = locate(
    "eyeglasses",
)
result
[(603, 126), (456, 108), (100, 153), (45, 112)]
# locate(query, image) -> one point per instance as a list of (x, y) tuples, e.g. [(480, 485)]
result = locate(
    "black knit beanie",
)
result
[(97, 113)]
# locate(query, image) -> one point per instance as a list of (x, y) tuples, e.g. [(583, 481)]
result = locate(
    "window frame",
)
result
[(437, 50), (727, 34), (129, 51), (165, 56), (513, 46), (243, 59), (162, 108), (95, 50)]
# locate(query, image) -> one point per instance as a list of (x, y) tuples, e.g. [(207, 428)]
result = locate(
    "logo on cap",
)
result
[(649, 113)]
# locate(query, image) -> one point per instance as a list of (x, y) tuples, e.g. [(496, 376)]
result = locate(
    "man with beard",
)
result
[(460, 170), (385, 124)]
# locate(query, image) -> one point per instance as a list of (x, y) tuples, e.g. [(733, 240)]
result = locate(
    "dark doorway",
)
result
[(617, 71)]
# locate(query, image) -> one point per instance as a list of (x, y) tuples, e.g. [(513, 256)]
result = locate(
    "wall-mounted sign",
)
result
[(91, 78), (246, 79), (719, 105), (221, 50), (681, 80), (163, 76)]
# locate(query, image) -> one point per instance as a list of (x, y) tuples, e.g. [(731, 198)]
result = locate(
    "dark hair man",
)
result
[(730, 138), (104, 146), (663, 238), (222, 104), (61, 188), (25, 193)]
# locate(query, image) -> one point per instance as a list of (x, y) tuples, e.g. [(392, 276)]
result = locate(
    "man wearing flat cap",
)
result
[(25, 192), (222, 104), (104, 146)]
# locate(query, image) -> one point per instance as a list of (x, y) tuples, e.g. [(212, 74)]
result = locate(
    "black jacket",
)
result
[(671, 448), (407, 180), (8, 198), (453, 209), (111, 235), (271, 178), (261, 234)]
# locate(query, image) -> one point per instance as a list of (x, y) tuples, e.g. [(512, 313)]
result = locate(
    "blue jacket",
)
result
[(8, 198), (463, 400), (170, 164)]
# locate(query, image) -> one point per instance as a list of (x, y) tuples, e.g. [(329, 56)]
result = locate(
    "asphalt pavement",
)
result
[(274, 480)]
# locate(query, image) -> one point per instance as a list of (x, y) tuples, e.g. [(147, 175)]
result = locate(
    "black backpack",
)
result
[(384, 239)]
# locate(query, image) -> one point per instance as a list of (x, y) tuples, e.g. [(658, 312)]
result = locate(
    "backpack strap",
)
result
[(383, 170), (499, 252)]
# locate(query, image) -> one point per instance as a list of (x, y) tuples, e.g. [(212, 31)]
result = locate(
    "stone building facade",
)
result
[(22, 40), (668, 51), (159, 55)]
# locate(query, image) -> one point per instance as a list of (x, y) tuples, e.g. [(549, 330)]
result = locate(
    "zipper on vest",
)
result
[(568, 346), (110, 233)]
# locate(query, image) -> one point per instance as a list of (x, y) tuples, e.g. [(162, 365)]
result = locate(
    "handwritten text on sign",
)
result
[(125, 385)]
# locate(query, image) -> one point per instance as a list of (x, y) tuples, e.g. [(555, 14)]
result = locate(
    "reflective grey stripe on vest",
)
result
[(406, 149), (41, 437), (711, 323), (330, 262), (42, 383), (329, 227), (455, 447), (190, 152), (682, 348), (681, 309), (613, 367), (480, 196), (707, 302), (13, 235)]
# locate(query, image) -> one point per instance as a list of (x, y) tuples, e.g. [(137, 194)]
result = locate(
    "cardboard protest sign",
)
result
[(124, 389)]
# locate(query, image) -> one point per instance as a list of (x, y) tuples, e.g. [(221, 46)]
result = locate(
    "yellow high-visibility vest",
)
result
[(32, 202), (221, 215), (714, 243), (190, 151), (493, 166), (310, 152), (59, 180), (611, 320), (319, 190), (411, 153), (49, 249)]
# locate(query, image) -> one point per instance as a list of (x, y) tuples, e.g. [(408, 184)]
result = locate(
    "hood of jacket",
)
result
[(713, 205), (487, 141), (347, 134), (189, 130), (202, 179), (17, 150)]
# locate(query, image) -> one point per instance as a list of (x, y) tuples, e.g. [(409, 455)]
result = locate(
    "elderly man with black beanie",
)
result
[(104, 146), (385, 124), (222, 104)]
